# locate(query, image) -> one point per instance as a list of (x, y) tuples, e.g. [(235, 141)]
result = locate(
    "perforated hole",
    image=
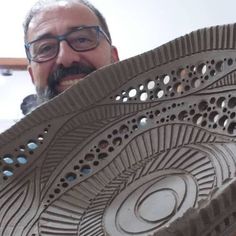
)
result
[(232, 128), (221, 102), (143, 121), (8, 159), (32, 145), (89, 157), (103, 144), (197, 119), (40, 137), (141, 87), (132, 93), (219, 66), (151, 85), (178, 87), (223, 121), (159, 93), (70, 177), (182, 73), (102, 156), (22, 159), (143, 96), (203, 105), (196, 82), (230, 61), (124, 129), (86, 169), (118, 97), (202, 69), (125, 99), (232, 102), (183, 115), (117, 141), (214, 116), (166, 79), (8, 172)]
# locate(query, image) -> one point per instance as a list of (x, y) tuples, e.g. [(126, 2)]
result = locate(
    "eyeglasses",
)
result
[(81, 39)]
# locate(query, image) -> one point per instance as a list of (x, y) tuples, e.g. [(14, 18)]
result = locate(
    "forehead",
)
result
[(59, 18)]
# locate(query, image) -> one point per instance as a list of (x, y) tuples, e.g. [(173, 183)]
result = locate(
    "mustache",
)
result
[(61, 72), (45, 94)]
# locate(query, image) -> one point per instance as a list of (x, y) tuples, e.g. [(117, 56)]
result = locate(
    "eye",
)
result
[(44, 47), (82, 40)]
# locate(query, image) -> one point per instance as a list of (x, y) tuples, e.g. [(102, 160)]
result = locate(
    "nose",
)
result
[(66, 55)]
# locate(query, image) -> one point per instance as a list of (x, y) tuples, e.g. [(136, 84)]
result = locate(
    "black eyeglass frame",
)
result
[(62, 37)]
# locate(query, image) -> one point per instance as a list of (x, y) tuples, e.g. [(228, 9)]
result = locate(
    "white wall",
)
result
[(136, 26)]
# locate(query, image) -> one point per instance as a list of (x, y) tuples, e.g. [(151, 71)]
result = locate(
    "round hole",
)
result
[(203, 105), (86, 169), (232, 102), (230, 61), (70, 177), (8, 159), (196, 82), (8, 172), (214, 116), (117, 141), (103, 144), (57, 190), (40, 138), (118, 97), (143, 96), (212, 72), (151, 85), (219, 66), (183, 73), (159, 93), (166, 79), (65, 185), (179, 88), (102, 156), (22, 148), (202, 69), (232, 128), (223, 121), (125, 99), (32, 145), (143, 121), (96, 163), (183, 115), (221, 102), (141, 87), (22, 160), (124, 129), (89, 157), (197, 119), (132, 93)]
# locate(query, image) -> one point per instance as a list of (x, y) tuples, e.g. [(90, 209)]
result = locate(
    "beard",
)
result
[(54, 79)]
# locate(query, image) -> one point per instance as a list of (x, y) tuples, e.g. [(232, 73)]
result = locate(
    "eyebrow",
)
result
[(49, 35)]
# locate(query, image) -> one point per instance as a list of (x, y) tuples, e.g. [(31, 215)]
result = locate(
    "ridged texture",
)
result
[(130, 149)]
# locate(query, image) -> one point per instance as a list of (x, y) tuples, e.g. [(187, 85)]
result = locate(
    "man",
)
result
[(65, 40)]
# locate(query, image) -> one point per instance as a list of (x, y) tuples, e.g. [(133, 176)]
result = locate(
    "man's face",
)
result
[(59, 19)]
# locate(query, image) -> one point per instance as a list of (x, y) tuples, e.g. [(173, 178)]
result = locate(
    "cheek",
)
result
[(40, 73), (101, 57)]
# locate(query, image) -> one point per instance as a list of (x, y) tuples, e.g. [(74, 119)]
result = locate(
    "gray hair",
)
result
[(40, 4)]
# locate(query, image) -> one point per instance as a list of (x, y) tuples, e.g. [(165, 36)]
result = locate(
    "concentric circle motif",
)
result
[(149, 203)]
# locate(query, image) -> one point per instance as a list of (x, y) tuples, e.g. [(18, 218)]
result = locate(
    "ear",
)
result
[(31, 73), (114, 54)]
